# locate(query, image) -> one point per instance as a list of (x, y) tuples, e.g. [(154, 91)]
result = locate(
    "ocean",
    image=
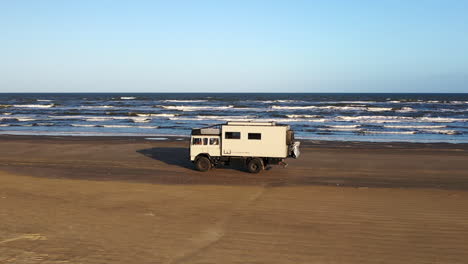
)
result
[(317, 116)]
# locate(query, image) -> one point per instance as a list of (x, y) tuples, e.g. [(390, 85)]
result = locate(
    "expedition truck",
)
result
[(258, 144)]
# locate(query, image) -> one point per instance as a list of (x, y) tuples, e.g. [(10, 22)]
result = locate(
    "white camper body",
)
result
[(264, 142)]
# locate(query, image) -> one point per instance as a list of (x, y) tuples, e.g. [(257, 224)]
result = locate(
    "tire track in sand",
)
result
[(215, 233), (26, 237)]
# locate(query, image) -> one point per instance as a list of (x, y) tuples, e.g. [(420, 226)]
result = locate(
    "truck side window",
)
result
[(205, 141), (197, 141), (214, 141), (232, 135), (257, 136)]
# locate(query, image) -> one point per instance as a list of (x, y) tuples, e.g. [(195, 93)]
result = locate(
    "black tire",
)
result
[(202, 164), (255, 165)]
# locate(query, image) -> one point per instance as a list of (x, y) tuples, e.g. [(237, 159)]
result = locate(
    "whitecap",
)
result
[(303, 116), (96, 106), (44, 124), (7, 117), (341, 129), (353, 108), (332, 107), (68, 117), (117, 126), (140, 119), (288, 101), (393, 119), (97, 119), (413, 126), (293, 107), (379, 109), (34, 106), (452, 110), (156, 115), (83, 125), (195, 108), (441, 131), (443, 119), (373, 118), (343, 126), (25, 119), (348, 102), (127, 98), (185, 101), (390, 132), (405, 110), (265, 101)]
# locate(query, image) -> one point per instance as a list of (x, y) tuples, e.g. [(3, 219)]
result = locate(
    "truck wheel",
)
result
[(203, 164), (255, 165)]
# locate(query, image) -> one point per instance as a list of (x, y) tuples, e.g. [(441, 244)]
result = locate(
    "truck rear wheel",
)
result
[(255, 165), (203, 164)]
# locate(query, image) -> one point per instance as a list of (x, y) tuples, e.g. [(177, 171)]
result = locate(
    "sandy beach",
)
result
[(131, 200)]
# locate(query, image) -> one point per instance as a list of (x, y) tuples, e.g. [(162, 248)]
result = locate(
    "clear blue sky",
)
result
[(233, 46)]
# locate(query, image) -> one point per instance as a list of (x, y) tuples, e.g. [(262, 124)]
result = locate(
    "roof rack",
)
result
[(250, 123), (206, 131)]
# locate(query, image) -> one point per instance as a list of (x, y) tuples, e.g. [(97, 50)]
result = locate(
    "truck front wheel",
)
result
[(255, 165), (202, 164)]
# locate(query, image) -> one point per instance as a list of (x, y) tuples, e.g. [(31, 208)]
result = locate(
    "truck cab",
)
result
[(208, 144), (257, 143)]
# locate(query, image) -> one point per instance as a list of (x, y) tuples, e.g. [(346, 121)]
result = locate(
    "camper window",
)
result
[(257, 136), (232, 135), (214, 141), (205, 141), (196, 141)]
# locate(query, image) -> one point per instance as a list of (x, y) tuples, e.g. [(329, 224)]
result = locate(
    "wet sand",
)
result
[(130, 200)]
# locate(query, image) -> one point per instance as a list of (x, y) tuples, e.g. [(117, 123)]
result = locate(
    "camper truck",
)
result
[(257, 144)]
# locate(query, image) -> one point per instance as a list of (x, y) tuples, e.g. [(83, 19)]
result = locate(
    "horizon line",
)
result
[(234, 93)]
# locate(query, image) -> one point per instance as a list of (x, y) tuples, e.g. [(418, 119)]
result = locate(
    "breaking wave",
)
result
[(332, 107), (390, 132), (96, 106), (443, 119), (413, 126), (185, 101), (83, 125), (195, 108), (304, 116), (141, 119), (157, 115), (442, 131), (117, 126), (34, 106)]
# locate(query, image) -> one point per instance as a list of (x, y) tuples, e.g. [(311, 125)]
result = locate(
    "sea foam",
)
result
[(34, 106)]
